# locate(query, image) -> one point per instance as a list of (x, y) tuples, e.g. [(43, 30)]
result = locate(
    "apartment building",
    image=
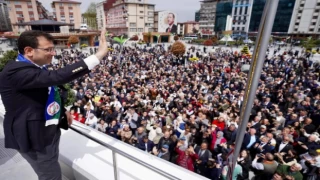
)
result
[(130, 17), (101, 16), (5, 24), (207, 17), (25, 11), (67, 11), (241, 14), (305, 17)]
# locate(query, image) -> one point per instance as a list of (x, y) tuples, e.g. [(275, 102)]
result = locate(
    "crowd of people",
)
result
[(188, 112)]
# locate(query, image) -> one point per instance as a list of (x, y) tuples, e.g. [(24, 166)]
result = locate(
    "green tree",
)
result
[(71, 97), (90, 16), (7, 56), (309, 43)]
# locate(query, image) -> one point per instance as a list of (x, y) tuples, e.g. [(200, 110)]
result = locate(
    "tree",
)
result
[(90, 16), (71, 97), (309, 43), (245, 50), (178, 48), (7, 56), (73, 40), (215, 40), (134, 38), (208, 42)]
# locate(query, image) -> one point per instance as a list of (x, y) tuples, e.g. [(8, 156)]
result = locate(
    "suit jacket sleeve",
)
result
[(25, 77)]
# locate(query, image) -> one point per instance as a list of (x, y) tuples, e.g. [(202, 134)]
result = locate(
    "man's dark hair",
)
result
[(174, 17), (30, 38)]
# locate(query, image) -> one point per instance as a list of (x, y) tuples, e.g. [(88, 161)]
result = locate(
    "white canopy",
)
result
[(248, 41), (227, 39)]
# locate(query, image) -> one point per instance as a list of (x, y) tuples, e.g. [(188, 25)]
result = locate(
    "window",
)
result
[(70, 5), (299, 17), (243, 29), (141, 11), (17, 3), (140, 29), (29, 3), (232, 28), (31, 15), (150, 19), (140, 5), (30, 9), (70, 16), (20, 15), (296, 29), (238, 28), (311, 29), (314, 23), (317, 10), (315, 17), (18, 9), (297, 24), (62, 17), (133, 29), (318, 4), (150, 7), (149, 24), (150, 13), (60, 4), (133, 24), (300, 11), (141, 17), (301, 5)]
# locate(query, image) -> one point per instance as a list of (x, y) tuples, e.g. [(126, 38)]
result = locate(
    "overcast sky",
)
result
[(185, 9)]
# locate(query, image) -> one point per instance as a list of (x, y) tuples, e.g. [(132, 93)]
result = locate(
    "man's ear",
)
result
[(28, 51)]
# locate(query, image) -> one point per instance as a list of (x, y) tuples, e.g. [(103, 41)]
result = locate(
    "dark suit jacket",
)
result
[(205, 156), (174, 29), (24, 92), (285, 149), (142, 146)]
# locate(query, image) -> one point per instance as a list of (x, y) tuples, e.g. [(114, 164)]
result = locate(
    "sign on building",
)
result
[(167, 22)]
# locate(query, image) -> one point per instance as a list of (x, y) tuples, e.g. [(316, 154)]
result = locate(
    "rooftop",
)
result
[(44, 22), (66, 1)]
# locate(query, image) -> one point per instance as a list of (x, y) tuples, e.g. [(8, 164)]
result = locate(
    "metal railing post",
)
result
[(115, 167)]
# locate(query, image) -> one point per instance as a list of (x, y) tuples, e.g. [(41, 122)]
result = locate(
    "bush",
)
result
[(208, 42), (84, 45), (178, 48), (7, 56), (134, 38), (71, 97), (73, 40), (176, 38), (245, 50)]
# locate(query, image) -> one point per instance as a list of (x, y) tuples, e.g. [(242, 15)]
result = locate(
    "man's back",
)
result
[(24, 124)]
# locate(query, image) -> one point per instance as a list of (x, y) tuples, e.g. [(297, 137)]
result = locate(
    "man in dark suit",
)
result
[(145, 144), (204, 156), (28, 126), (172, 27), (284, 146)]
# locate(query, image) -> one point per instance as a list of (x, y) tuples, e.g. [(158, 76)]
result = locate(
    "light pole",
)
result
[(258, 57)]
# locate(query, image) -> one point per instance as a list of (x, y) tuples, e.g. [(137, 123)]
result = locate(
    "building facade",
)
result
[(305, 18), (282, 18), (207, 17), (197, 16), (24, 11), (67, 11), (101, 16), (130, 17), (224, 9), (241, 15), (5, 24)]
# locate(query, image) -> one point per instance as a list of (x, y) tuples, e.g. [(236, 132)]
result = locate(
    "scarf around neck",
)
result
[(53, 104)]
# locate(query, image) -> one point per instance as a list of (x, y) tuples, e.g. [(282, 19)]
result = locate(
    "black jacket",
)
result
[(24, 92)]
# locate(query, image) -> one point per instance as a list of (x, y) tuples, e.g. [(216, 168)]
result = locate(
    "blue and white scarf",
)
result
[(53, 105)]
